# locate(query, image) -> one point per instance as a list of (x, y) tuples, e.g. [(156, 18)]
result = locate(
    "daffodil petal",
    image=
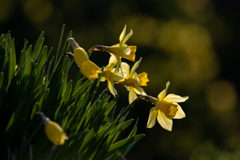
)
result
[(118, 65), (80, 56), (128, 88), (116, 76), (135, 66), (132, 95), (132, 55), (152, 118), (112, 62), (180, 113), (162, 95), (164, 121), (115, 46), (55, 133), (139, 91), (90, 70), (125, 67), (172, 98), (122, 35), (125, 39), (103, 79), (111, 88), (125, 51)]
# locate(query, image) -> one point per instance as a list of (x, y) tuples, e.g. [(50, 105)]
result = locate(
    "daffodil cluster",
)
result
[(119, 73)]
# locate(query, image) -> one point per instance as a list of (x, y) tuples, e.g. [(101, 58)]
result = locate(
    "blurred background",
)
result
[(194, 44)]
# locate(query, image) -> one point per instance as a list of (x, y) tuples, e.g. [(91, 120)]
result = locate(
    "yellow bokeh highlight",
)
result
[(6, 9), (38, 11), (222, 96), (193, 59), (199, 10)]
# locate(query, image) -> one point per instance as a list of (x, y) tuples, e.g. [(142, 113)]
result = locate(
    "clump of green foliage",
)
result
[(37, 81)]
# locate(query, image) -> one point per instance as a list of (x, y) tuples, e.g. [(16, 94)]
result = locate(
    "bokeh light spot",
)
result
[(38, 11), (6, 9), (221, 96)]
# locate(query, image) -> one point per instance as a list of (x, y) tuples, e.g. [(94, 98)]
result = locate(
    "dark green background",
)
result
[(192, 43)]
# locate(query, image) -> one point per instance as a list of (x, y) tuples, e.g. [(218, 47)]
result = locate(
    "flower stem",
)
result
[(148, 98), (51, 152)]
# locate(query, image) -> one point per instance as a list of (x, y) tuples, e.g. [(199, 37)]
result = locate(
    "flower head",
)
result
[(166, 109), (132, 81), (53, 130), (120, 50), (87, 67), (110, 75)]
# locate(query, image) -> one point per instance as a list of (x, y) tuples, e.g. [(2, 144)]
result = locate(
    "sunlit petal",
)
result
[(164, 121), (124, 40), (90, 70), (139, 90), (116, 76), (112, 62), (103, 79), (135, 66), (132, 95), (80, 56), (172, 98), (111, 88), (152, 118), (180, 113), (128, 88), (55, 133), (162, 95), (125, 51), (122, 35), (125, 67)]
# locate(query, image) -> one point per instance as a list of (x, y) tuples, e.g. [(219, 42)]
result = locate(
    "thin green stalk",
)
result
[(59, 45), (51, 152)]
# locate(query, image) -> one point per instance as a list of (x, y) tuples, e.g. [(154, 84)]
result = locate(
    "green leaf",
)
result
[(24, 57), (38, 46), (59, 44), (67, 92), (1, 79), (124, 143), (110, 106), (134, 130), (12, 62), (35, 107)]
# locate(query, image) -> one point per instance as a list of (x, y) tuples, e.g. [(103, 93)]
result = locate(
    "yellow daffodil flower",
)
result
[(87, 67), (53, 130), (110, 75), (166, 109), (133, 81), (120, 50)]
